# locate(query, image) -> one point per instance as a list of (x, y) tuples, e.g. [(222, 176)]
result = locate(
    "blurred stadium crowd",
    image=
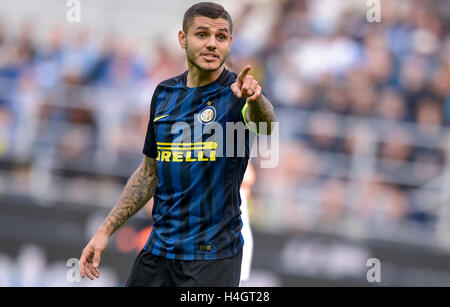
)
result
[(363, 108)]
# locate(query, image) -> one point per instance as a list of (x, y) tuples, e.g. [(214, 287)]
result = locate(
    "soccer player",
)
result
[(196, 238)]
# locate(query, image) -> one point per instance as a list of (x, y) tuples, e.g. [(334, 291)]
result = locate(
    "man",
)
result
[(196, 239)]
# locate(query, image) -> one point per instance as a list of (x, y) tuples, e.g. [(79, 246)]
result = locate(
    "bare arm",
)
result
[(137, 192), (260, 111)]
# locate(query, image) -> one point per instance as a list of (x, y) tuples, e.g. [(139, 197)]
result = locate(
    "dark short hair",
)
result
[(207, 9)]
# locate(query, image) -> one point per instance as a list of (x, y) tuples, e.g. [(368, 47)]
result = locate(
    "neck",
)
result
[(197, 77)]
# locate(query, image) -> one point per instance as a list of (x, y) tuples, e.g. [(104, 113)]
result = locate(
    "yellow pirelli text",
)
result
[(186, 152)]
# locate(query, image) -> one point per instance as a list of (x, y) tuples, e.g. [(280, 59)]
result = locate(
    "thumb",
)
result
[(96, 259), (236, 90)]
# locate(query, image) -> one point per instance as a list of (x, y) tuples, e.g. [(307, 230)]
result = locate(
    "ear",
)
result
[(182, 39)]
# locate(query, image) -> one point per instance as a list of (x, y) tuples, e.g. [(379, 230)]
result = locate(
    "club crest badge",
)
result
[(207, 115)]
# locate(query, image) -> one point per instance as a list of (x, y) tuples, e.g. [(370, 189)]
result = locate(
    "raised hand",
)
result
[(246, 85)]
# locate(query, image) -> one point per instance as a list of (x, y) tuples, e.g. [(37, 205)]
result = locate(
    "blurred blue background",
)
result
[(363, 107)]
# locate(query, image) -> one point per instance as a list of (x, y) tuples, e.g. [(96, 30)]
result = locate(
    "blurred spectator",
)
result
[(391, 106), (368, 101)]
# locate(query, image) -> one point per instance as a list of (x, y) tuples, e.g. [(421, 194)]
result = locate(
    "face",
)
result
[(207, 42)]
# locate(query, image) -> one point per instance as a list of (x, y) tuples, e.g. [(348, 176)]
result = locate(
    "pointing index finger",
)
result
[(244, 73)]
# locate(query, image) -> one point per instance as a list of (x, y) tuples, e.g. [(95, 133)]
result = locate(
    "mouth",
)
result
[(210, 56)]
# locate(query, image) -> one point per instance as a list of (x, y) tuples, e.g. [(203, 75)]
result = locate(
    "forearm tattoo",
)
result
[(261, 111), (137, 192)]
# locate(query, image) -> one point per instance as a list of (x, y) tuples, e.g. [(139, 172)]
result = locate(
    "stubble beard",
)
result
[(192, 60)]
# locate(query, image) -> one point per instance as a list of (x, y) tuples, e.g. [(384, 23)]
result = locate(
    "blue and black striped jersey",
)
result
[(196, 210)]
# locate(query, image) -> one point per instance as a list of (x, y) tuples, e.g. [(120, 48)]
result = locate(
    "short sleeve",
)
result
[(150, 138)]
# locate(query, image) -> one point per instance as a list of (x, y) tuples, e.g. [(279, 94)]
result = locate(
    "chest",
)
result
[(192, 108)]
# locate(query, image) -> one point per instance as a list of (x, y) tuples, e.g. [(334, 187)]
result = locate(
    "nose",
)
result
[(211, 43)]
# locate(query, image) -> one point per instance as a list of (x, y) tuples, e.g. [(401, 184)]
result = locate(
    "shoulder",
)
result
[(227, 78), (166, 86), (172, 81)]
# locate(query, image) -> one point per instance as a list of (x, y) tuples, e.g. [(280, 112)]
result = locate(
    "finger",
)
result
[(248, 84), (97, 273), (93, 271), (252, 88), (82, 269), (256, 95), (96, 260), (88, 271), (83, 261), (243, 73), (236, 91)]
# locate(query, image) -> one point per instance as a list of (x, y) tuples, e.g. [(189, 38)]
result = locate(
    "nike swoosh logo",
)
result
[(159, 117)]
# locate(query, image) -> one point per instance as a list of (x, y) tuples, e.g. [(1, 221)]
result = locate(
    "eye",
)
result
[(201, 35), (221, 37)]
